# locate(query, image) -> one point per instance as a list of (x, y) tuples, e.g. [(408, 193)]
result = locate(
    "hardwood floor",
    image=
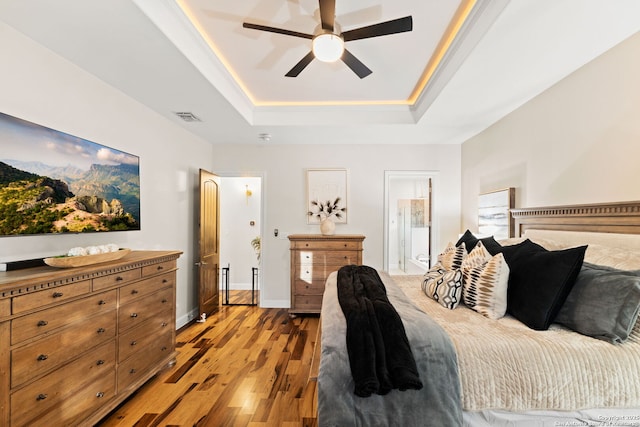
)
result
[(245, 366)]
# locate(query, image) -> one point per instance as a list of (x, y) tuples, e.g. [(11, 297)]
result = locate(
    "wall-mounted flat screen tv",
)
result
[(53, 182)]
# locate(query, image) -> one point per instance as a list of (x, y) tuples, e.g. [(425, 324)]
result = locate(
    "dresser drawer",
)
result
[(310, 303), (44, 298), (139, 364), (139, 310), (46, 321), (150, 270), (31, 402), (328, 257), (78, 406), (137, 339), (314, 273), (116, 279), (326, 245), (301, 287), (145, 287), (54, 350)]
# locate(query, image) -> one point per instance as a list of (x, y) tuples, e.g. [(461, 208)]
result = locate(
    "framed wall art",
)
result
[(326, 195), (494, 213)]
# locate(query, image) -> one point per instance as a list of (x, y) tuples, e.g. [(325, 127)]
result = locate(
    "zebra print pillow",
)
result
[(452, 257), (485, 282)]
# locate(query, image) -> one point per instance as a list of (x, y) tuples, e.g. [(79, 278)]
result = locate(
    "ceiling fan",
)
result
[(328, 41)]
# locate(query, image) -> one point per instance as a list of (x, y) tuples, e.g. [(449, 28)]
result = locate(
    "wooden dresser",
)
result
[(74, 343), (313, 258)]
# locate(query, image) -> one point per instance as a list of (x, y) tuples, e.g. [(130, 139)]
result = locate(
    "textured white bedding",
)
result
[(505, 365), (512, 375)]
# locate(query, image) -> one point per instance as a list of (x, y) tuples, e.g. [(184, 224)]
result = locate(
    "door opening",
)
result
[(240, 239), (408, 222)]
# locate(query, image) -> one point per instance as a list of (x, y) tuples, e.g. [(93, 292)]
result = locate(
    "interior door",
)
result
[(209, 243)]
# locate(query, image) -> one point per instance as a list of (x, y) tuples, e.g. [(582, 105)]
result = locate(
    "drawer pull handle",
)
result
[(41, 396), (163, 349), (134, 291), (42, 357), (134, 342), (57, 294), (134, 314), (100, 362), (164, 300), (101, 330), (43, 323), (119, 279), (164, 281), (99, 394), (164, 324), (132, 371), (160, 268), (102, 302)]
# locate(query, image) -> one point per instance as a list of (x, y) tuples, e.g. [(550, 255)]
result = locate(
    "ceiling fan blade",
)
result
[(394, 26), (328, 14), (300, 65), (356, 66), (276, 30)]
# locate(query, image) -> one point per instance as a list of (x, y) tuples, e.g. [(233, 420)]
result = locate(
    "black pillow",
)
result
[(539, 282), (471, 241), (522, 249), (603, 304)]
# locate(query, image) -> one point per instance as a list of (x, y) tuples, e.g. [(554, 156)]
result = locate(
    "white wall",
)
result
[(578, 142), (39, 86), (284, 167)]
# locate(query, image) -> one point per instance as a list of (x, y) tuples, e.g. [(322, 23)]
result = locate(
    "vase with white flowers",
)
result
[(326, 211)]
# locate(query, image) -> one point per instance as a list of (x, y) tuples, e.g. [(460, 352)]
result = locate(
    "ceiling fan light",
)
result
[(328, 47)]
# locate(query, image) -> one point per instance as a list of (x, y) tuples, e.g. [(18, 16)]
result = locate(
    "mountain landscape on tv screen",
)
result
[(36, 198)]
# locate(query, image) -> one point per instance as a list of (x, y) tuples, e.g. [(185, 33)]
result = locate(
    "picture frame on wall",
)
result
[(494, 213), (326, 195)]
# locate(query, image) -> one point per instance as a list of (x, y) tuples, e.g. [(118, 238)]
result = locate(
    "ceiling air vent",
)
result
[(187, 116)]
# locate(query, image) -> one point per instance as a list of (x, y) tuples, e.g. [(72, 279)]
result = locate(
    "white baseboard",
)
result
[(183, 320), (275, 303)]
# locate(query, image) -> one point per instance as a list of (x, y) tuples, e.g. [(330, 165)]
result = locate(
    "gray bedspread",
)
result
[(438, 403)]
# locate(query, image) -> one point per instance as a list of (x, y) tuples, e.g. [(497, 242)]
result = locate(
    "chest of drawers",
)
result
[(313, 258), (74, 343)]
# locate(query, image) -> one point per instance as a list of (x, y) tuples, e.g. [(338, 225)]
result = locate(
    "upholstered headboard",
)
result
[(616, 217)]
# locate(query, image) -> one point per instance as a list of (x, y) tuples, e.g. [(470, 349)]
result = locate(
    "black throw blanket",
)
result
[(379, 353)]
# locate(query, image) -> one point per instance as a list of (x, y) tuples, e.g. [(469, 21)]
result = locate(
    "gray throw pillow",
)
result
[(604, 303)]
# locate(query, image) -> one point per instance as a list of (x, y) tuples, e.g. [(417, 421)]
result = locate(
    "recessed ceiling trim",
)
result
[(179, 24), (176, 26), (316, 115), (475, 24)]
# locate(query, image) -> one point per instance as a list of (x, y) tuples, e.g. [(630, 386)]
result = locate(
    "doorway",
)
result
[(240, 239), (408, 222)]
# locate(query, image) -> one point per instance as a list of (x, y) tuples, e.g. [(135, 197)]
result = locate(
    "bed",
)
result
[(508, 374)]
